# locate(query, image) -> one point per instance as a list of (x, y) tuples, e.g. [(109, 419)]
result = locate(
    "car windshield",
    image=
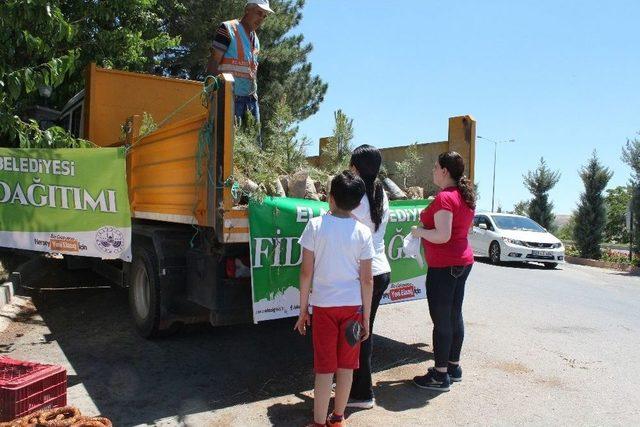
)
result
[(517, 223)]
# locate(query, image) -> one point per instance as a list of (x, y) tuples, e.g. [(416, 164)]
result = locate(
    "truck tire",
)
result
[(550, 265), (144, 293)]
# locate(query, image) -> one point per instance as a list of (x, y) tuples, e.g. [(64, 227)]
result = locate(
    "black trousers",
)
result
[(445, 292), (362, 387)]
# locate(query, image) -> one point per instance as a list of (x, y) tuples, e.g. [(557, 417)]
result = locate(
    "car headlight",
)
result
[(556, 245), (514, 242)]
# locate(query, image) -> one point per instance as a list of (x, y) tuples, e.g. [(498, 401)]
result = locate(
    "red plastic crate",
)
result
[(26, 387)]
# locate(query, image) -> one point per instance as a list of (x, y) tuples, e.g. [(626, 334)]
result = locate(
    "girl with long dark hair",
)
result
[(446, 223), (374, 213)]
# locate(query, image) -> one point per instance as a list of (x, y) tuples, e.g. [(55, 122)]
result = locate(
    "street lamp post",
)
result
[(495, 155)]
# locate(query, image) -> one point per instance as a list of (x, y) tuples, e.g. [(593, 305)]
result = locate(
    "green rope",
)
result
[(205, 141), (211, 85)]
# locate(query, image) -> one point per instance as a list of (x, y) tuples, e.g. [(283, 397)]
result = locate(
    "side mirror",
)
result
[(482, 226)]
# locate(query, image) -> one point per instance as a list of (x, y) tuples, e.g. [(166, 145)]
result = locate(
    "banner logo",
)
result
[(110, 240), (402, 292)]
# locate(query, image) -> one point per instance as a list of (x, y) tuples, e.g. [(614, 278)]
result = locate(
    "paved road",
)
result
[(543, 348)]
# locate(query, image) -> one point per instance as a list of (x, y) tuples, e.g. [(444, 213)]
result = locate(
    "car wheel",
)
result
[(550, 265), (494, 252)]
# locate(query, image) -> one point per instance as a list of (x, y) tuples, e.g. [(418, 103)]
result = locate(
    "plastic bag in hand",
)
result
[(411, 248)]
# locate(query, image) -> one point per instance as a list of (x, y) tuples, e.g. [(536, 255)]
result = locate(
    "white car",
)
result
[(506, 237)]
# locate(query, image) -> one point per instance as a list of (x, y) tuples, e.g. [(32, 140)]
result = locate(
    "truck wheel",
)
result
[(144, 293), (550, 265)]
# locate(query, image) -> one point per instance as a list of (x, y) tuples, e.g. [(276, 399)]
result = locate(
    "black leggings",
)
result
[(445, 292), (362, 387)]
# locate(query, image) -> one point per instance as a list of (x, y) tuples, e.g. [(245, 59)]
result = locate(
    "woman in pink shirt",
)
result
[(446, 222)]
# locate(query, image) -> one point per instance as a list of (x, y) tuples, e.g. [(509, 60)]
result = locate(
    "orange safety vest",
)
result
[(241, 57)]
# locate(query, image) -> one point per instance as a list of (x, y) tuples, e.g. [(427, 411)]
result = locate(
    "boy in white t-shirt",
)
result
[(337, 253)]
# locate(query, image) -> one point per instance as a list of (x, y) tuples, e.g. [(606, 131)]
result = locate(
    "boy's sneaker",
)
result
[(433, 380), (334, 422), (362, 404), (455, 373)]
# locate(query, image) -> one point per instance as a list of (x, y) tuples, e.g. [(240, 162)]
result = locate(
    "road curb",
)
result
[(6, 294), (7, 311), (603, 264)]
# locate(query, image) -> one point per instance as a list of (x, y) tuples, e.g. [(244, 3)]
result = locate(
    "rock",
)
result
[(415, 193), (284, 181), (279, 189), (321, 190), (301, 186), (311, 193), (249, 186), (329, 185)]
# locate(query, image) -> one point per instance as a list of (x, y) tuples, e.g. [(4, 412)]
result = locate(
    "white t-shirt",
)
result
[(362, 213), (338, 245)]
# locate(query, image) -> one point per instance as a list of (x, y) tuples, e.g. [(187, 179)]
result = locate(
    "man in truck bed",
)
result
[(235, 50)]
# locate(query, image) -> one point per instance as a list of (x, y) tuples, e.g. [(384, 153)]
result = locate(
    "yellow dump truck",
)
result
[(186, 230)]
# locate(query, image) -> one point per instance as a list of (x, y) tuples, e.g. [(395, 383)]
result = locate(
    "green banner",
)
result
[(275, 226), (70, 201)]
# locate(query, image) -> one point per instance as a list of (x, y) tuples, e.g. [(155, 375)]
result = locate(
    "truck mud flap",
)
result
[(228, 299)]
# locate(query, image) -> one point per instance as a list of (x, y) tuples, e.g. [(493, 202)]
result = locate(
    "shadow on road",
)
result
[(133, 381), (633, 273), (395, 396)]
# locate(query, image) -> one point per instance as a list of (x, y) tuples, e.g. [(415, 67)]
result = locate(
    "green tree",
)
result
[(539, 182), (631, 156), (284, 65), (521, 208), (48, 44), (282, 143), (31, 59), (336, 154), (408, 168), (591, 214), (128, 35), (283, 152), (617, 202), (565, 232)]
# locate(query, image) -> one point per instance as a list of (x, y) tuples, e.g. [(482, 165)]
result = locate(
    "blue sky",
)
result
[(560, 77)]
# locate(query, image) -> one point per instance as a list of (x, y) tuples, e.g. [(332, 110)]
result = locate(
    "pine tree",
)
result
[(539, 183), (617, 202), (565, 232), (336, 154), (521, 208), (283, 152), (408, 168), (282, 144), (591, 213), (631, 156)]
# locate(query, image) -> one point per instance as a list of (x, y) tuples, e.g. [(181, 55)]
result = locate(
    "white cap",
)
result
[(262, 4)]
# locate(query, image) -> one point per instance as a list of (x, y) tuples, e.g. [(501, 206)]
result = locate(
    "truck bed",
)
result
[(166, 184)]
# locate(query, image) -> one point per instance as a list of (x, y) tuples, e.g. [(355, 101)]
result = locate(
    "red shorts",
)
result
[(330, 347)]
